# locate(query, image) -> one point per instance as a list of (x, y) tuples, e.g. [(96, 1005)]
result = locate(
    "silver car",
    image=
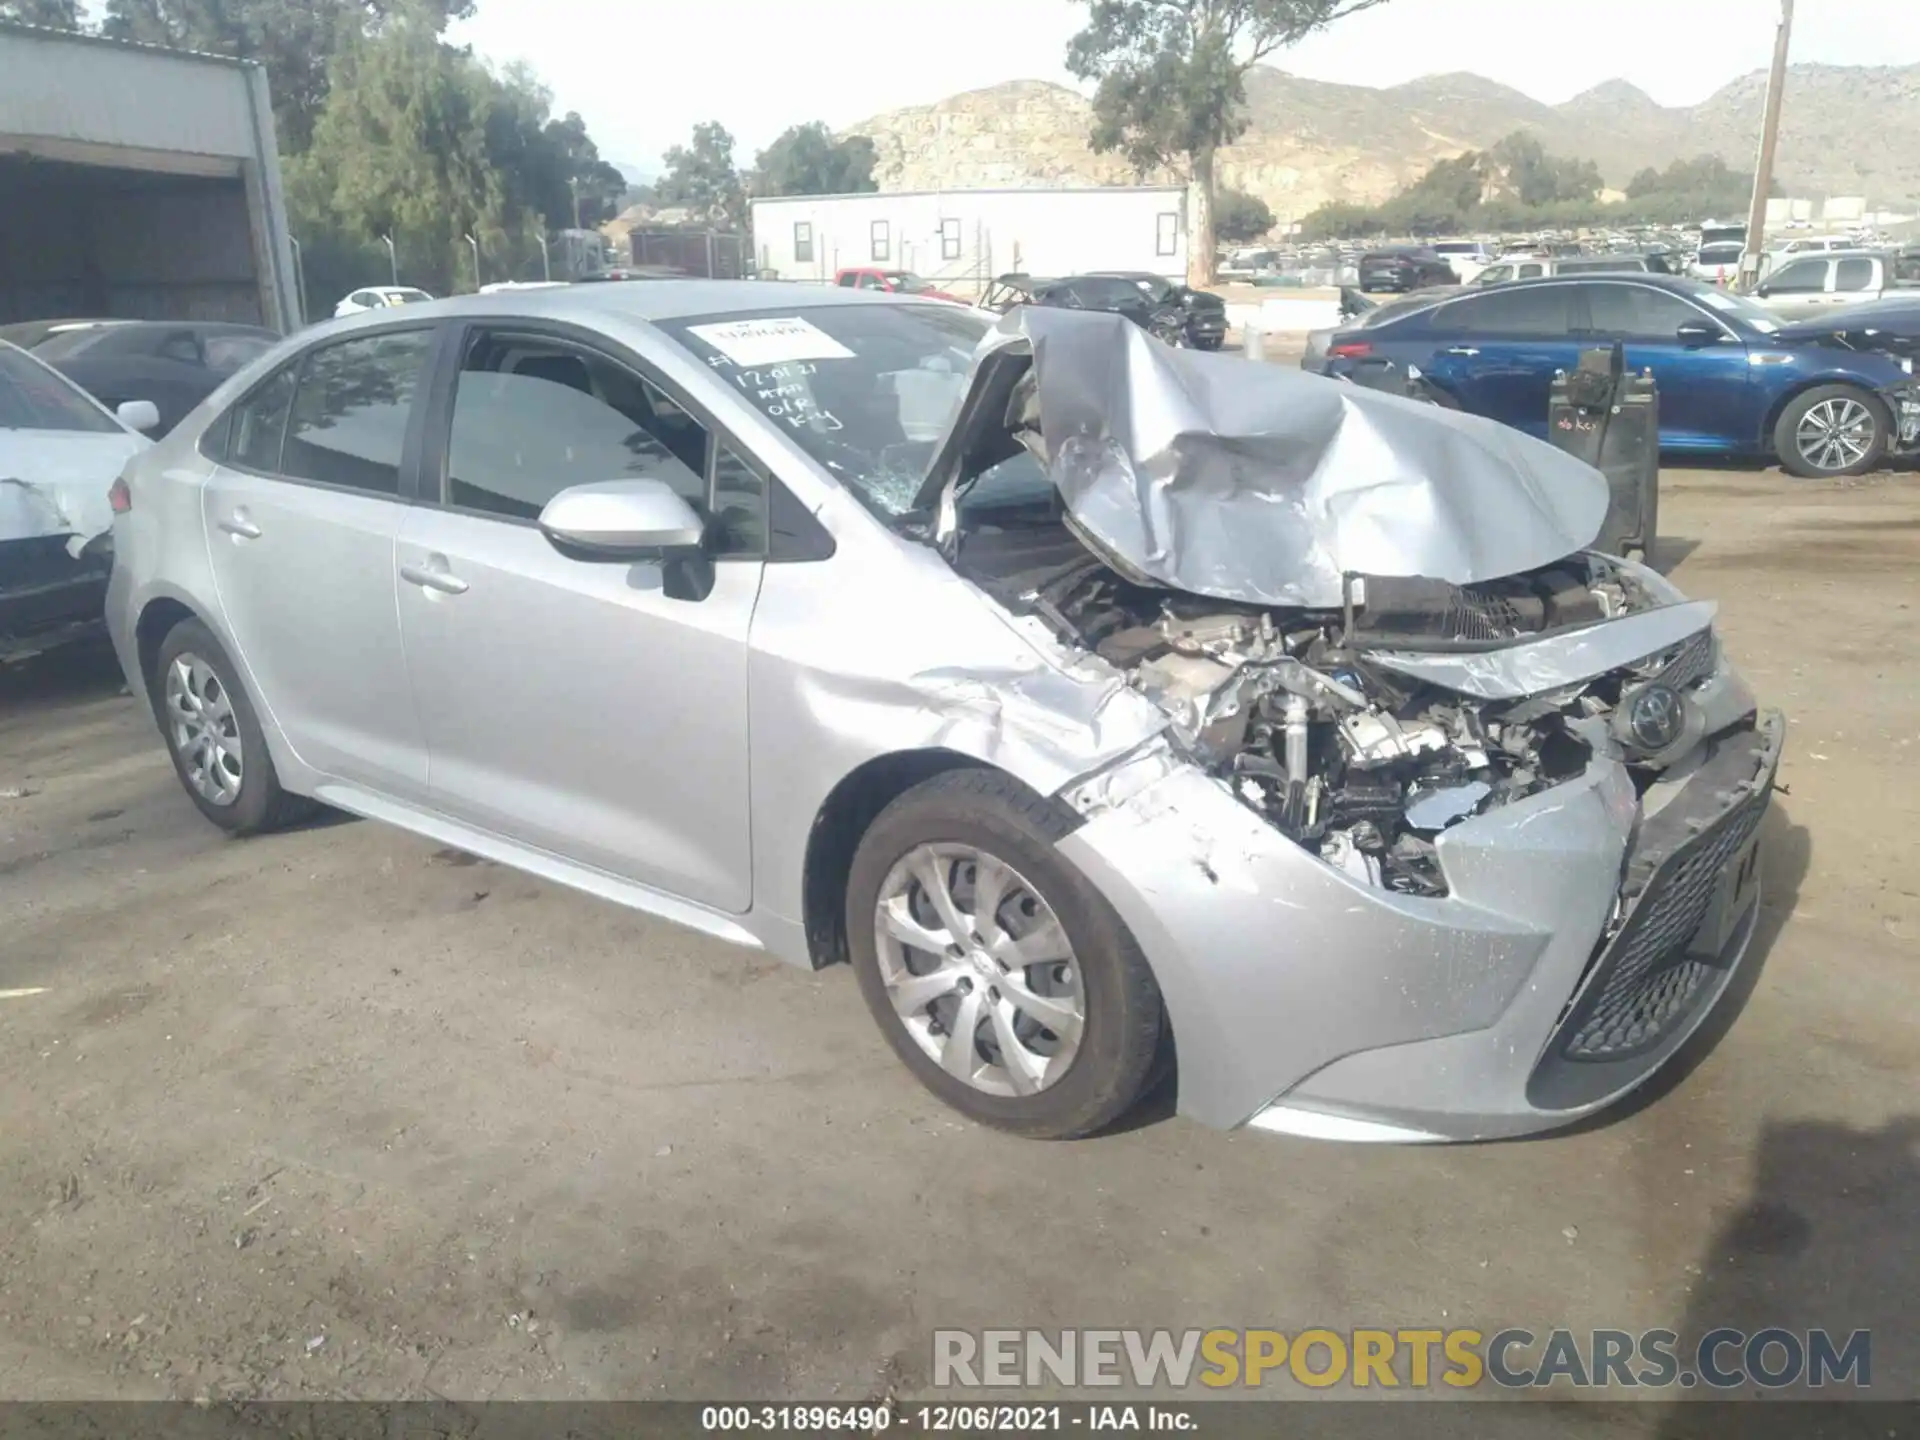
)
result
[(1113, 709)]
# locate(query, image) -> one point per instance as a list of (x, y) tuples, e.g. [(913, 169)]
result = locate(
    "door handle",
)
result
[(1459, 350), (429, 577), (238, 524)]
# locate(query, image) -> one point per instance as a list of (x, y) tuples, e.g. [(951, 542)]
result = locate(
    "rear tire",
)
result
[(213, 736), (968, 830), (1832, 431)]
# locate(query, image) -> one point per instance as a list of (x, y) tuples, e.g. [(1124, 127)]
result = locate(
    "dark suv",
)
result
[(1407, 269), (1206, 313), (1121, 294)]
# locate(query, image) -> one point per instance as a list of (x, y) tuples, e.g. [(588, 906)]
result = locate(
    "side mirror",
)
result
[(1763, 290), (1696, 333), (623, 520), (141, 415)]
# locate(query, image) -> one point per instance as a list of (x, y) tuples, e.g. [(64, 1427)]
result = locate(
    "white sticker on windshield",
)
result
[(771, 342)]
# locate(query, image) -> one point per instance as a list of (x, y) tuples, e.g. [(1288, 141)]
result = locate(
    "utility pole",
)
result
[(1769, 143), (393, 258)]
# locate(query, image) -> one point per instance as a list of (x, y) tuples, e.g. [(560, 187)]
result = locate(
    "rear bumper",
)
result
[(1542, 989)]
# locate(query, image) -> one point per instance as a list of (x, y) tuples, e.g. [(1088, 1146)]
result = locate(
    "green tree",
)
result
[(549, 168), (701, 176), (56, 14), (807, 160), (1537, 177), (1239, 217), (1338, 220), (401, 149), (1171, 82), (293, 39)]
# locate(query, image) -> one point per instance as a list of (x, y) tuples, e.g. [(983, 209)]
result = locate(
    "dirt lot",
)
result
[(333, 1113)]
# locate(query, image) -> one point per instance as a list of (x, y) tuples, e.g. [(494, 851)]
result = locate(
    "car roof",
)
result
[(663, 299)]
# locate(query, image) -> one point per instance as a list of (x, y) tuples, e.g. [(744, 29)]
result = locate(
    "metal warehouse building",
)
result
[(960, 239), (137, 182)]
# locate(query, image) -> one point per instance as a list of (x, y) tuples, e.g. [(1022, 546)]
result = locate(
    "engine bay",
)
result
[(1363, 766)]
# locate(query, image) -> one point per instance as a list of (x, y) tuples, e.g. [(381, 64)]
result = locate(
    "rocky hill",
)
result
[(1846, 131)]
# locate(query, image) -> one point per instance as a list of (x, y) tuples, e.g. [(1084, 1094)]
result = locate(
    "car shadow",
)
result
[(1828, 1238), (74, 673), (1671, 551)]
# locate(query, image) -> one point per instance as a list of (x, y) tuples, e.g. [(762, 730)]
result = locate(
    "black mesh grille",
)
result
[(1645, 981), (1481, 615)]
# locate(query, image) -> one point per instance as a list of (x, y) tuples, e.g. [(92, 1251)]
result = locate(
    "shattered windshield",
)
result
[(866, 390), (33, 397)]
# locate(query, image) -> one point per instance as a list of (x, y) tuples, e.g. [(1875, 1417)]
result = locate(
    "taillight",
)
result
[(120, 497), (1351, 350)]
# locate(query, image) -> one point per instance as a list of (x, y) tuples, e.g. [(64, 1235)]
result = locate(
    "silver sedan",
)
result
[(1115, 710)]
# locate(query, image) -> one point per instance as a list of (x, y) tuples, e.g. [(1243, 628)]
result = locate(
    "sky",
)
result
[(643, 72)]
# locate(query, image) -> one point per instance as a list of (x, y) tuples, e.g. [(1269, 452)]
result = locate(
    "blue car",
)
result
[(1730, 382)]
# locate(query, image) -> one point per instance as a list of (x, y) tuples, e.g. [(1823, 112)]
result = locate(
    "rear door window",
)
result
[(1855, 274), (351, 406)]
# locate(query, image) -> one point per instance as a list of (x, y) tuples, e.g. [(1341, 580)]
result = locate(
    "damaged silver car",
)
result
[(60, 451), (1111, 708)]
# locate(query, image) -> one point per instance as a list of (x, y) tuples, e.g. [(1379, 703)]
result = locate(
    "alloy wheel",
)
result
[(979, 969), (203, 729), (1835, 434)]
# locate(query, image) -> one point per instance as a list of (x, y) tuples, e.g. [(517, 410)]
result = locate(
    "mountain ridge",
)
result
[(1846, 130)]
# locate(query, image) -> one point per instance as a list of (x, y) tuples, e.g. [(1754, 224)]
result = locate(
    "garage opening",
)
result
[(101, 241)]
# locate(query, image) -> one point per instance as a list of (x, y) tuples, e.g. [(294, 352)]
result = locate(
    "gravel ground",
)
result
[(335, 1113)]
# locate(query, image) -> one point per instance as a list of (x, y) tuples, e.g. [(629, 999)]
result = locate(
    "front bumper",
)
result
[(1207, 325), (1558, 975), (1904, 403)]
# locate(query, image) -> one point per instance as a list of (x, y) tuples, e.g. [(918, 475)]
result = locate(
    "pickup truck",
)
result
[(1809, 286)]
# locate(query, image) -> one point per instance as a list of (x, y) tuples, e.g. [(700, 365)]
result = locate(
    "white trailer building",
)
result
[(961, 239)]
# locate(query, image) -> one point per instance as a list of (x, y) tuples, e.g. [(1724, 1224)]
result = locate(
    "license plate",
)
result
[(1735, 893)]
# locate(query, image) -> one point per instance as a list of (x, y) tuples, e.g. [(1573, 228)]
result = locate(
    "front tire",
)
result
[(1000, 976), (213, 734), (1831, 431)]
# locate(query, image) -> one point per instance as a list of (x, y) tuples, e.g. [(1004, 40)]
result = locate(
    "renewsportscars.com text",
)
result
[(1418, 1359)]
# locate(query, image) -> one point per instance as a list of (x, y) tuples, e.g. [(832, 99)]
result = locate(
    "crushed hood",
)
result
[(1258, 483), (55, 482)]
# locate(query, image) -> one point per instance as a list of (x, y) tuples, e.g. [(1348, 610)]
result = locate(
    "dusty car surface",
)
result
[(1109, 706)]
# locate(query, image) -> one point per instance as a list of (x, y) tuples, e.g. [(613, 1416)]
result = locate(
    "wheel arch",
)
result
[(157, 618), (1779, 405), (842, 822)]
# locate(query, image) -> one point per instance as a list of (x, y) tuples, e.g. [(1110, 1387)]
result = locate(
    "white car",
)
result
[(379, 297), (61, 452), (1467, 257), (1719, 262)]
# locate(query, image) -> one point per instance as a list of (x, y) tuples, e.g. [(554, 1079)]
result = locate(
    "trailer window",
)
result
[(949, 239), (880, 242), (803, 241), (1166, 235)]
